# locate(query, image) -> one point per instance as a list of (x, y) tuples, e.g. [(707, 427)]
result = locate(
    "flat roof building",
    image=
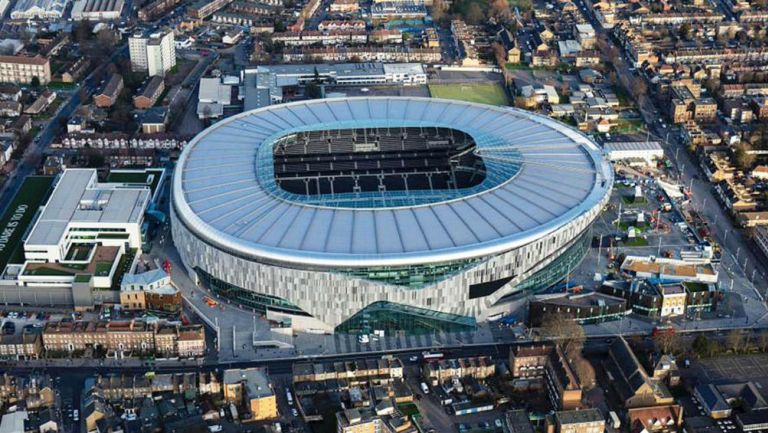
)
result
[(252, 388), (97, 10), (82, 211)]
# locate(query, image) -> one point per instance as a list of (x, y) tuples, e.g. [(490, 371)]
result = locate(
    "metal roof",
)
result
[(225, 192), (78, 198)]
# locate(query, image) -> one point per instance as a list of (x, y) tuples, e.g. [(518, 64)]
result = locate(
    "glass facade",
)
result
[(390, 316), (555, 271), (410, 276), (258, 301)]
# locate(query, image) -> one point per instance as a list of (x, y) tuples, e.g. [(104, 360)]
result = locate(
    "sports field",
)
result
[(18, 216), (484, 93), (150, 176)]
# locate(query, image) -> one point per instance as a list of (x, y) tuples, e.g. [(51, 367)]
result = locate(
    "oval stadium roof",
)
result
[(542, 175)]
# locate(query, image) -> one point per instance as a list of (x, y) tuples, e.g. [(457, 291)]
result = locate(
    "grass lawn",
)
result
[(60, 85), (50, 272), (137, 177), (408, 409), (18, 216), (636, 242), (485, 93), (632, 200), (103, 268)]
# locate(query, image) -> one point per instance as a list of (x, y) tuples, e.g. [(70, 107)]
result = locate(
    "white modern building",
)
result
[(360, 214), (97, 10), (83, 211), (213, 96), (264, 84), (39, 9), (154, 53), (647, 151)]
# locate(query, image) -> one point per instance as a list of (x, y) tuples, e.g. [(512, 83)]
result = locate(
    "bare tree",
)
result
[(475, 14), (667, 341), (570, 335), (438, 10), (735, 340), (762, 341), (584, 371)]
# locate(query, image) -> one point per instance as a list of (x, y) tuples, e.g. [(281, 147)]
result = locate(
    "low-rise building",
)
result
[(580, 421), (150, 93), (582, 308), (712, 401), (548, 363), (151, 290), (630, 380), (656, 419), (110, 92), (24, 345), (251, 388), (42, 102), (23, 69)]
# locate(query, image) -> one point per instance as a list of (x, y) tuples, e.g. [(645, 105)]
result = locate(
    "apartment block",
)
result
[(252, 389), (23, 69), (154, 53)]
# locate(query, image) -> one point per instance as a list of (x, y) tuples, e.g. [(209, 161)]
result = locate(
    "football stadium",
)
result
[(385, 213)]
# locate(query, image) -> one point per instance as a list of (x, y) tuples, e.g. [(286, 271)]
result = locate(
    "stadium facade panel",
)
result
[(345, 209)]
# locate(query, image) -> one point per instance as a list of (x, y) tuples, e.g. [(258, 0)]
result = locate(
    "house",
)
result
[(656, 419), (712, 401), (41, 103), (110, 92), (630, 380), (150, 93), (666, 369), (548, 363), (251, 387), (154, 120), (10, 109), (580, 421), (7, 145)]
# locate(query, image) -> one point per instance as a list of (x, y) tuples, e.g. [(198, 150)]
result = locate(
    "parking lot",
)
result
[(733, 368)]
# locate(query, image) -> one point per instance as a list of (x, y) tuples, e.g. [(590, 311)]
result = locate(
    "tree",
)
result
[(762, 341), (685, 31), (570, 335), (744, 159), (475, 14), (701, 346), (438, 10), (499, 54), (500, 10), (82, 32), (667, 341), (584, 371), (639, 88), (735, 340), (35, 82)]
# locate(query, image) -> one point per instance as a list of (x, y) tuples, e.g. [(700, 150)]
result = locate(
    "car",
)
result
[(413, 358), (294, 412), (215, 428), (75, 415)]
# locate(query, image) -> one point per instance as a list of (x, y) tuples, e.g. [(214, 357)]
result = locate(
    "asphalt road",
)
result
[(733, 242), (27, 165)]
